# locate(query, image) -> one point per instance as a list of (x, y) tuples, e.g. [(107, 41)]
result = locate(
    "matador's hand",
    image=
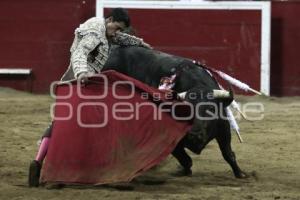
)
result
[(83, 78)]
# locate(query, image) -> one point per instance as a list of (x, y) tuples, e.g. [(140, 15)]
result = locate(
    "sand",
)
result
[(270, 155)]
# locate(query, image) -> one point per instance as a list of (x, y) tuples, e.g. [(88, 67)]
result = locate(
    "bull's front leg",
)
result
[(184, 159), (224, 140)]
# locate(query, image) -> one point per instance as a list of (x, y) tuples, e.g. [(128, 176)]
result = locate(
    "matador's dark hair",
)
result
[(120, 15)]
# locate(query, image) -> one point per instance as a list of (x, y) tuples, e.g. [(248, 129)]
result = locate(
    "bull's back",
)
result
[(143, 64), (149, 66)]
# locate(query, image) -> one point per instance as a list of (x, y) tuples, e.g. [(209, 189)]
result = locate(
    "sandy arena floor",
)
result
[(270, 155)]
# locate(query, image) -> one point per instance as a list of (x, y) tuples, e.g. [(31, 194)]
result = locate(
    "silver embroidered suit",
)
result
[(90, 48)]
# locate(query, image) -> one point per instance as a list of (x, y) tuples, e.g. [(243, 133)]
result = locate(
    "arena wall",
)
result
[(38, 35)]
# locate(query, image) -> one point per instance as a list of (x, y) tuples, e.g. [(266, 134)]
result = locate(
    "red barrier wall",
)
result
[(226, 40), (37, 34), (285, 48)]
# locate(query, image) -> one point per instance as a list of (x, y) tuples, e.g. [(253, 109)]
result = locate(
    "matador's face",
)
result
[(113, 26)]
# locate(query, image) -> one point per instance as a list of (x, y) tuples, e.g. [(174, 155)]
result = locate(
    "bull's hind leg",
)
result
[(224, 140), (184, 159)]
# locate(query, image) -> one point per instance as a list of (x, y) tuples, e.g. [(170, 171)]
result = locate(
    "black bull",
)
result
[(149, 66)]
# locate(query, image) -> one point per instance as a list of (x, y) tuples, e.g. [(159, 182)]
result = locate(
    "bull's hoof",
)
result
[(241, 175), (34, 174), (183, 172)]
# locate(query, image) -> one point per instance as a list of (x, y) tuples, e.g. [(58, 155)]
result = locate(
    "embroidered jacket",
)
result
[(90, 48)]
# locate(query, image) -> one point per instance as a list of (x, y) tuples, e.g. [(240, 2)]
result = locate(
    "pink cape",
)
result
[(121, 149)]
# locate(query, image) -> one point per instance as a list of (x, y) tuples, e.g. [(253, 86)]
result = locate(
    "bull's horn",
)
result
[(182, 95), (221, 94)]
